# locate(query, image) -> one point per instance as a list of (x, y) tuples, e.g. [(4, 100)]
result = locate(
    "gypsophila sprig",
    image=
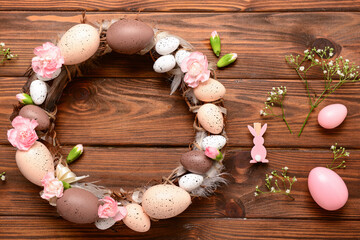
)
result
[(336, 73), (275, 183), (275, 98), (339, 152), (6, 53), (3, 176)]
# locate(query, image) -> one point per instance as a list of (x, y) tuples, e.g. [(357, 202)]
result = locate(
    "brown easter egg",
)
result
[(129, 36), (78, 206), (37, 113), (196, 161)]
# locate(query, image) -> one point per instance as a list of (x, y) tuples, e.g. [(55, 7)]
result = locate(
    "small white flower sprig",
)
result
[(339, 68), (338, 153), (3, 176), (275, 98), (6, 53), (273, 185)]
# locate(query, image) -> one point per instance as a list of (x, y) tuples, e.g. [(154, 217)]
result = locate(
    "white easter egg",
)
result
[(167, 45), (35, 162), (164, 64), (216, 141), (38, 91), (136, 219), (181, 55), (190, 181), (54, 75), (79, 43), (165, 201)]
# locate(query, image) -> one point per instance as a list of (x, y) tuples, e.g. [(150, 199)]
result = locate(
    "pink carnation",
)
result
[(52, 187), (110, 209), (212, 152), (48, 59), (196, 68), (23, 135)]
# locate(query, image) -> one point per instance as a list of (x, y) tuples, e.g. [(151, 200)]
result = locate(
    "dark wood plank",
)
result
[(176, 228), (101, 111), (185, 5), (113, 167), (260, 39)]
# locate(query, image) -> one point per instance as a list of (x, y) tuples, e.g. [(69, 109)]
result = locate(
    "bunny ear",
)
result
[(252, 130), (263, 129)]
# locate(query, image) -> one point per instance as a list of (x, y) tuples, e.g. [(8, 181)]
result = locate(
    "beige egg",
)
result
[(35, 162), (165, 201), (136, 219), (79, 43), (211, 118), (210, 91)]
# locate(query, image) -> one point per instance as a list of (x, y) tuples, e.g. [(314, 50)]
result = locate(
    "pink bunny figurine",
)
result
[(258, 152)]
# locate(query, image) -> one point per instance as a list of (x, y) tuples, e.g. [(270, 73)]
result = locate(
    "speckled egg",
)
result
[(190, 181), (181, 55), (37, 113), (35, 163), (209, 91), (165, 201), (332, 116), (164, 64), (78, 206), (167, 45), (196, 161), (38, 91), (54, 75), (79, 43), (129, 36), (136, 219), (216, 141), (211, 118)]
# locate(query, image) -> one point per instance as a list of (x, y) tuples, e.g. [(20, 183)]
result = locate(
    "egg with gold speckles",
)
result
[(35, 162), (209, 91), (79, 43), (211, 118), (78, 206), (165, 201), (136, 219)]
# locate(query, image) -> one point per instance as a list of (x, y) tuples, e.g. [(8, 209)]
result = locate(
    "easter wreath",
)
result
[(42, 163)]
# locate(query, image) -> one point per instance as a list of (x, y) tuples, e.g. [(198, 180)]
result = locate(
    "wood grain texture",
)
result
[(261, 40), (176, 228), (134, 131), (110, 111), (185, 5), (112, 167)]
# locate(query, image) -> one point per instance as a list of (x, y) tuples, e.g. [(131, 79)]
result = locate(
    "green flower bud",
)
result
[(66, 185), (215, 43), (24, 98), (75, 153), (226, 60)]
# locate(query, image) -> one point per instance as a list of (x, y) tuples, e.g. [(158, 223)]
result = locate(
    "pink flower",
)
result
[(48, 59), (52, 187), (23, 135), (110, 209), (196, 68), (213, 153)]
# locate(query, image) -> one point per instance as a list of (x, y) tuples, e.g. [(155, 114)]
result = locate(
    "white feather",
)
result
[(99, 191)]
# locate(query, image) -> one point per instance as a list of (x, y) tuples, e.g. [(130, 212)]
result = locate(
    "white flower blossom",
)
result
[(271, 177), (3, 178), (2, 44), (261, 112), (287, 191), (272, 189), (280, 92), (332, 147), (347, 60), (331, 54), (325, 72), (256, 194), (301, 68), (306, 51), (331, 63), (286, 168)]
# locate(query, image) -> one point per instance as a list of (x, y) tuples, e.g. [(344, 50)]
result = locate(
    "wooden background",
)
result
[(133, 131)]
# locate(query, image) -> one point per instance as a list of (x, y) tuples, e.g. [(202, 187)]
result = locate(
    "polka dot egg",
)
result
[(79, 43), (211, 118)]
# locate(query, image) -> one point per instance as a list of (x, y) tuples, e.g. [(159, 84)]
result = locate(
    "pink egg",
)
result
[(327, 188), (332, 116)]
